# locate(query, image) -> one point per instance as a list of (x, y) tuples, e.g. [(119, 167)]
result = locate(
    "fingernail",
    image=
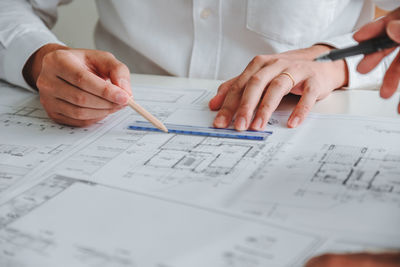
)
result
[(220, 121), (241, 124), (121, 98), (295, 121), (258, 124)]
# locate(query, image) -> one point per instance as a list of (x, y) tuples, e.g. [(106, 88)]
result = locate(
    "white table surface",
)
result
[(354, 102)]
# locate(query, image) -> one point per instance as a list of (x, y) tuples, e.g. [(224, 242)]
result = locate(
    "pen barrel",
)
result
[(366, 47)]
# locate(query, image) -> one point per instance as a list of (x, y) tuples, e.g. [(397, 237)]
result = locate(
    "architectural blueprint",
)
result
[(184, 233), (110, 196), (29, 141)]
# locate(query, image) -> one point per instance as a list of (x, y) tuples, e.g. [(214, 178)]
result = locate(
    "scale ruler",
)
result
[(202, 131)]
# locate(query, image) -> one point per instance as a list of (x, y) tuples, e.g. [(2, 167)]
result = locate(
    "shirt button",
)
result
[(205, 13)]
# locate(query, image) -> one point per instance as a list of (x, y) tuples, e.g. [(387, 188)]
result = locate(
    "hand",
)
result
[(78, 87), (390, 24), (262, 85), (356, 260)]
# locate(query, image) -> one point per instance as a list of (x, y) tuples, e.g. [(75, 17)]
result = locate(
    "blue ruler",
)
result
[(203, 131)]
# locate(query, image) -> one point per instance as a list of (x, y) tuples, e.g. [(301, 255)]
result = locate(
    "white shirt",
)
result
[(212, 39)]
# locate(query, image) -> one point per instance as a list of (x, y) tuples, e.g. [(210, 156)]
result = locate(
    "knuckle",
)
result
[(108, 54), (256, 79), (223, 87), (78, 113), (265, 107), (80, 99), (278, 61), (41, 83), (47, 59), (312, 72), (311, 90), (245, 108), (122, 67), (106, 90), (296, 66), (59, 55), (78, 77), (303, 109), (236, 88), (257, 60), (226, 111), (277, 83)]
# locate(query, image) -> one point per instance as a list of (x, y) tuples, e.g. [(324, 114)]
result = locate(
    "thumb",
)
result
[(393, 30)]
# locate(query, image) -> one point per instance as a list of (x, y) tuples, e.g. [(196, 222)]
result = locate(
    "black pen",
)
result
[(365, 47)]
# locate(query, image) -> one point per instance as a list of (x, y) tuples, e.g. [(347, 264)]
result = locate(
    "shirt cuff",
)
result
[(19, 51), (357, 80)]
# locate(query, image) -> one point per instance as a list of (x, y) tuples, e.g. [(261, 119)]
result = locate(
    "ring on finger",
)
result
[(287, 74)]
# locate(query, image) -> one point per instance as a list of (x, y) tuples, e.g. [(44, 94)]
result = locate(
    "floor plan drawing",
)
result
[(30, 140), (170, 97), (164, 162), (229, 239), (360, 169), (208, 156), (111, 196)]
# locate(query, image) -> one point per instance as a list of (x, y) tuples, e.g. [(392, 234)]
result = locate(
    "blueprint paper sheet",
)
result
[(110, 196)]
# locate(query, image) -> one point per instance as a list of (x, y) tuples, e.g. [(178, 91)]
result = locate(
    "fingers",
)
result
[(376, 28), (280, 86), (81, 77), (370, 30), (370, 61), (393, 30), (217, 101), (110, 67), (307, 101), (58, 88), (391, 78), (54, 105), (254, 90), (61, 119), (232, 99)]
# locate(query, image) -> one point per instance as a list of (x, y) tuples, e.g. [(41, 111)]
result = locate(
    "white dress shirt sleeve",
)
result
[(23, 30)]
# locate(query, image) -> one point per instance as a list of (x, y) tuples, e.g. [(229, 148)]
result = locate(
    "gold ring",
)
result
[(290, 77)]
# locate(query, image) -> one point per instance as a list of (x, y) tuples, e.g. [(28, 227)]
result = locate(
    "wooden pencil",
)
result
[(139, 109)]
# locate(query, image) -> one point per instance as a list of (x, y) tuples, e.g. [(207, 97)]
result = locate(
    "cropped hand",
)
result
[(356, 260), (78, 87), (390, 25), (268, 78)]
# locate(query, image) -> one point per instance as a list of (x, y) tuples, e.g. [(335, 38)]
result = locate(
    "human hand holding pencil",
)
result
[(389, 25)]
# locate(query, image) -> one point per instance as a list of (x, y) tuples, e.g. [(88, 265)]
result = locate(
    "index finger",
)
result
[(376, 28), (80, 76)]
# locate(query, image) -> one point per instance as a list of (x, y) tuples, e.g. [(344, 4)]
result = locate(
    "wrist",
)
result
[(317, 50), (33, 65), (339, 70)]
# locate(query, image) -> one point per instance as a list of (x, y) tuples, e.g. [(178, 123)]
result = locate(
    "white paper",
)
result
[(132, 198)]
